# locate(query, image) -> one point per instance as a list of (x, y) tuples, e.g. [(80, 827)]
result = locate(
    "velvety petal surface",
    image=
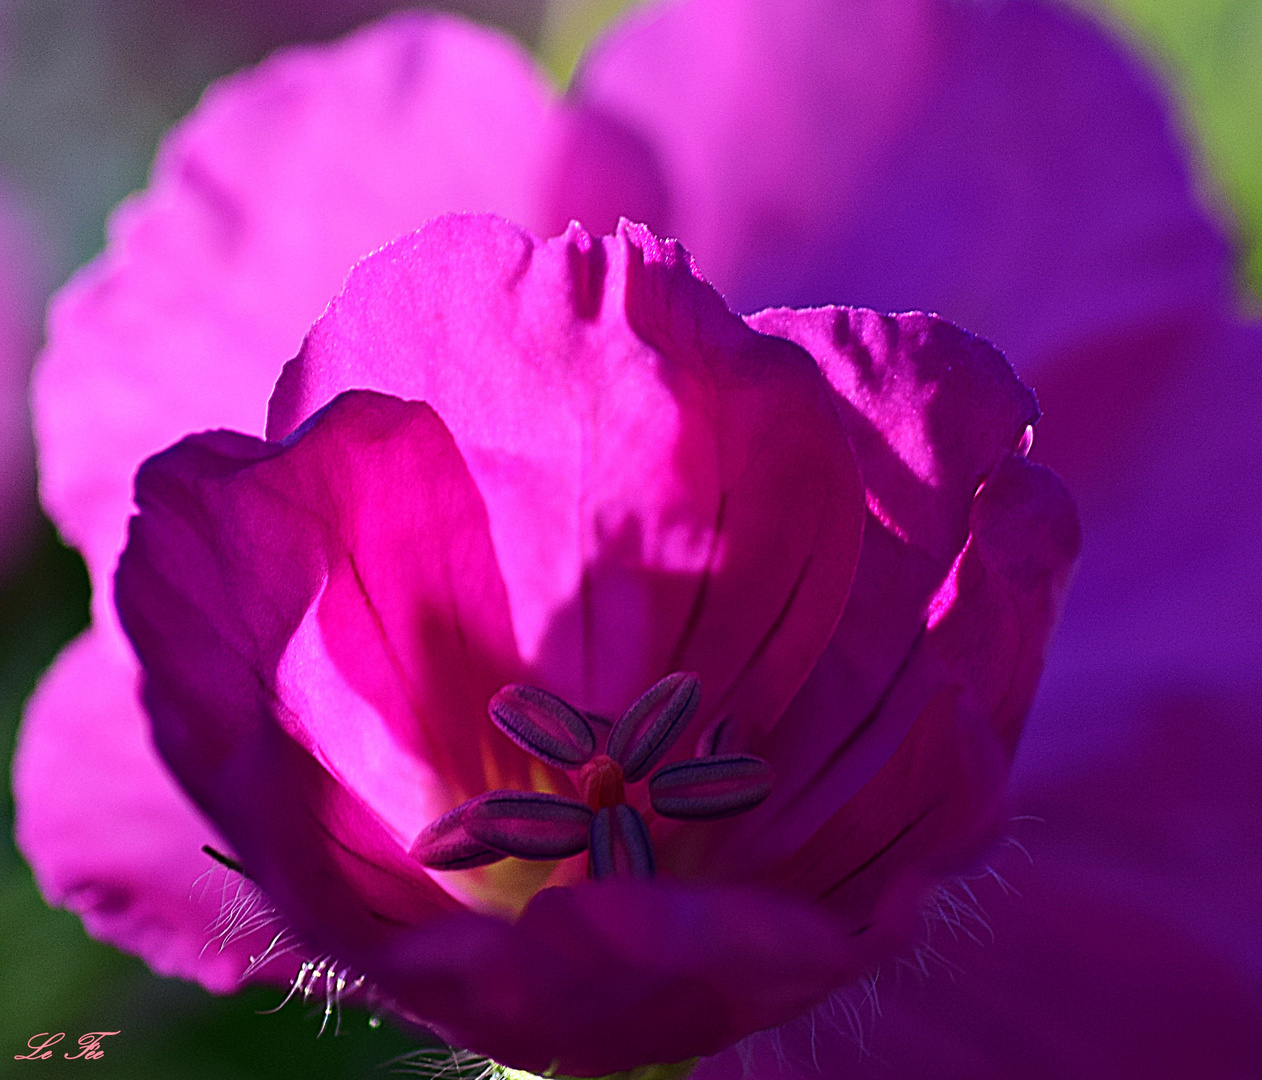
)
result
[(610, 975), (667, 489), (919, 154), (369, 518), (235, 542)]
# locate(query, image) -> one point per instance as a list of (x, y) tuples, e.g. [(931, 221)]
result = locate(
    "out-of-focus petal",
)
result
[(602, 960), (1170, 589), (953, 157), (259, 205), (667, 490), (369, 519), (109, 833), (1155, 668)]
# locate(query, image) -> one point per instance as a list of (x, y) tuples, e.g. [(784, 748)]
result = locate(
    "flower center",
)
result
[(543, 827), (600, 783)]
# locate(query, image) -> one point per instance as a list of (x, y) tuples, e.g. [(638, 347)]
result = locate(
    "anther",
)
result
[(647, 729), (543, 725), (525, 824), (620, 845), (708, 788), (543, 826)]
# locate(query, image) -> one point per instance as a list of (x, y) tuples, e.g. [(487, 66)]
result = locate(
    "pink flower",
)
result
[(920, 154), (612, 479)]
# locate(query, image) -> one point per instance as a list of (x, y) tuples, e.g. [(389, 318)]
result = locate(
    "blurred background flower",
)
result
[(1136, 948)]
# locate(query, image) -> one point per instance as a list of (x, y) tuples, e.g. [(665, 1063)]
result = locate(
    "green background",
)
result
[(81, 110)]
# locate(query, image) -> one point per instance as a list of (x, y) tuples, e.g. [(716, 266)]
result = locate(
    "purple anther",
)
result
[(705, 789), (620, 845), (445, 845), (528, 824), (543, 725), (646, 730)]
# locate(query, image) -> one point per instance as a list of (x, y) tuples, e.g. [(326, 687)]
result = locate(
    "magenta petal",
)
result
[(992, 636), (925, 154), (940, 798), (931, 411), (218, 263), (597, 978), (107, 831), (237, 542), (666, 489)]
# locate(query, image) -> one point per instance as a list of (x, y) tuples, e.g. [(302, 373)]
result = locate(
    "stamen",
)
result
[(600, 782), (541, 826), (543, 725), (646, 730), (528, 824), (445, 844), (620, 845), (705, 789)]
